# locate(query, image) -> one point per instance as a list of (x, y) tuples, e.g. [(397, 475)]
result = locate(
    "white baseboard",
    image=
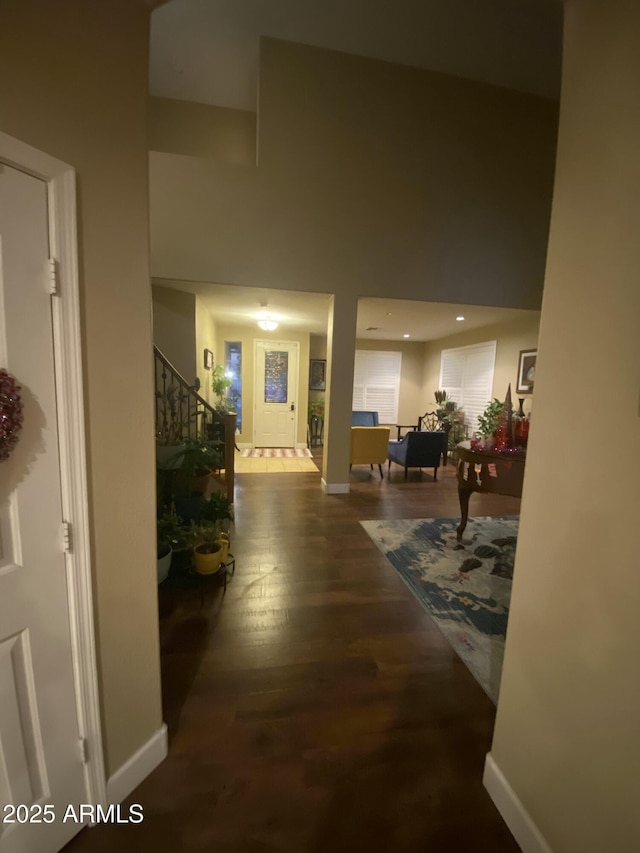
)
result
[(138, 767), (335, 488), (514, 814)]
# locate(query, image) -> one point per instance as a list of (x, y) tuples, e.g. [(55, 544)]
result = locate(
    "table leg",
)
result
[(464, 493)]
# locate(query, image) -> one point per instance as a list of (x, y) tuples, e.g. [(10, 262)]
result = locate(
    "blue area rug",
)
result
[(464, 587)]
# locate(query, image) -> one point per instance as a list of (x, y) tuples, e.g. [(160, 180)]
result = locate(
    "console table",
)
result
[(485, 471)]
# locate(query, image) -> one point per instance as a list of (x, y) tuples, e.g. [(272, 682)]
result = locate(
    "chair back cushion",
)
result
[(364, 419), (369, 445), (425, 448)]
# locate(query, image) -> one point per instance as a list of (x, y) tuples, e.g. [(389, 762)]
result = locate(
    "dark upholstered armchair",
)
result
[(418, 450)]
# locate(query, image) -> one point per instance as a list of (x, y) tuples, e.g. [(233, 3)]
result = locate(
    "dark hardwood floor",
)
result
[(315, 707)]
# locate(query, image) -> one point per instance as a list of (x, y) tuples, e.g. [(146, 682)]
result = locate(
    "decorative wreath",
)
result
[(10, 414)]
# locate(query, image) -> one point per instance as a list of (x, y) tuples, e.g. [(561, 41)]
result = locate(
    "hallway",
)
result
[(316, 707)]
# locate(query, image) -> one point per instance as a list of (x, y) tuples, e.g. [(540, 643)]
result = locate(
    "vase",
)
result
[(501, 437), (520, 426)]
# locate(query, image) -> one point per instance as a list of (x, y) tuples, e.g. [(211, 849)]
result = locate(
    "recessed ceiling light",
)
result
[(459, 317), (388, 313), (406, 336)]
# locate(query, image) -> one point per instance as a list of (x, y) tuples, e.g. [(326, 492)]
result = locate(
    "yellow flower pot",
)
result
[(207, 557)]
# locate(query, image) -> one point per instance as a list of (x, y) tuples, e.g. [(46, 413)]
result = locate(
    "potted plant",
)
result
[(172, 531), (489, 420), (217, 509), (445, 404), (198, 459), (196, 508), (210, 532), (453, 423), (208, 549), (316, 408)]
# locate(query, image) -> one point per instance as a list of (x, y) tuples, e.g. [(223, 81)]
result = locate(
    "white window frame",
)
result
[(376, 383), (466, 374)]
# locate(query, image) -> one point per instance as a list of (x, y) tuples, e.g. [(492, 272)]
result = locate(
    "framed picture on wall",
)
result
[(317, 374), (526, 371), (208, 359)]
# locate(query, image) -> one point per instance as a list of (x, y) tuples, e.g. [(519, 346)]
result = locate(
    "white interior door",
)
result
[(41, 765), (276, 389)]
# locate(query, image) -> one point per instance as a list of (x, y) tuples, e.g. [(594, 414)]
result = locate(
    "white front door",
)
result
[(276, 389), (41, 768)]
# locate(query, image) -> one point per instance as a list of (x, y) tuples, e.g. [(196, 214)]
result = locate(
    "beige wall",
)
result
[(73, 83), (174, 328), (201, 130), (372, 177), (248, 337), (510, 338), (205, 339), (567, 729)]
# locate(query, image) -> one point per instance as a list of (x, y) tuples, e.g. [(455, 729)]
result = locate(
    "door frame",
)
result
[(256, 348), (67, 343)]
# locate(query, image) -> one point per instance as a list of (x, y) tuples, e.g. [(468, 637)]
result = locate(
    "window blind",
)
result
[(376, 383), (466, 374)]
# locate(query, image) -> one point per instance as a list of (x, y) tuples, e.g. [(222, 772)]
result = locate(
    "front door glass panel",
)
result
[(276, 376)]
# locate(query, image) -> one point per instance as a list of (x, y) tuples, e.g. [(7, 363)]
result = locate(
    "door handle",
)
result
[(293, 407)]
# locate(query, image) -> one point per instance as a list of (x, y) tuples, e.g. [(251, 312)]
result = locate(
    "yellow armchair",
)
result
[(369, 446)]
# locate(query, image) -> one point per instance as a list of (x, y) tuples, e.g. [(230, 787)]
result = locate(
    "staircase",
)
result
[(182, 414)]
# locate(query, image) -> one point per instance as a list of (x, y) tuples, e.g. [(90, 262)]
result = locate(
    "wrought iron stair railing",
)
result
[(182, 414)]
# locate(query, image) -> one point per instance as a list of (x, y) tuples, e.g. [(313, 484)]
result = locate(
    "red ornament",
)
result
[(10, 414)]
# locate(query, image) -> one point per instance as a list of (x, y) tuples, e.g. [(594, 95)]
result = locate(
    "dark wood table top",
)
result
[(488, 471)]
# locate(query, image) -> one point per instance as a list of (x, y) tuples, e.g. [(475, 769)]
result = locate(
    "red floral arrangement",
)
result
[(10, 414)]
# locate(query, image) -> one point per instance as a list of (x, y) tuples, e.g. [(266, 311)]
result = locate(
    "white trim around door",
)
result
[(61, 183)]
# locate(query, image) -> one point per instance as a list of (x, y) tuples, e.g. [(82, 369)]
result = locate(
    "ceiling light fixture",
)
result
[(267, 325), (406, 336), (266, 320), (459, 317)]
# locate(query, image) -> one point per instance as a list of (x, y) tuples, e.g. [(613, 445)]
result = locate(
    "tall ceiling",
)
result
[(207, 51)]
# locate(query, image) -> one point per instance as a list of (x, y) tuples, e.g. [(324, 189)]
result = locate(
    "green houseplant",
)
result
[(208, 548), (489, 420), (198, 459), (172, 539), (316, 408), (209, 533)]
